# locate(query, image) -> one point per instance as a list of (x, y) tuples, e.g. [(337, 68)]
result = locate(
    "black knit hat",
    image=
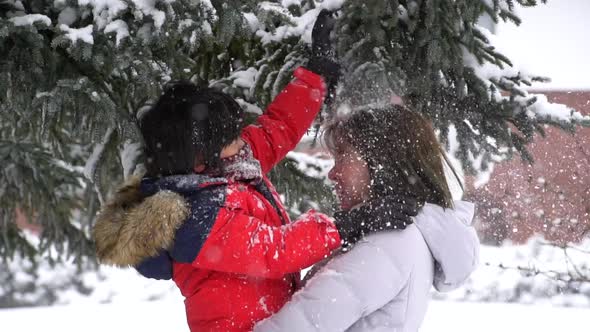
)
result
[(188, 126)]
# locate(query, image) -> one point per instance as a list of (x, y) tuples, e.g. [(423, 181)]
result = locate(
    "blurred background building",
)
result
[(552, 196)]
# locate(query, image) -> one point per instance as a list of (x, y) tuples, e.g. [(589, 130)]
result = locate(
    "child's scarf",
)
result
[(242, 166)]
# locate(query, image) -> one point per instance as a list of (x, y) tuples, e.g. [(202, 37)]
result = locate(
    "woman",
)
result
[(383, 282)]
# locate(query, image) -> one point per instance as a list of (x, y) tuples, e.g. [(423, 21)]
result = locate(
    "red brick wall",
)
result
[(23, 223), (550, 197)]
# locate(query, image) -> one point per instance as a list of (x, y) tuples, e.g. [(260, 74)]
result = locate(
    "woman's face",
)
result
[(350, 175)]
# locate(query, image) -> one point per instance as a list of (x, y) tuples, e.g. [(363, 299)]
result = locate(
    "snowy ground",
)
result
[(122, 300), (158, 316)]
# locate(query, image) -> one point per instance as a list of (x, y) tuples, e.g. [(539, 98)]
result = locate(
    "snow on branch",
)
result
[(296, 26), (84, 34), (502, 76), (542, 108), (30, 20), (129, 155), (245, 79), (93, 160), (120, 28), (104, 11), (148, 8)]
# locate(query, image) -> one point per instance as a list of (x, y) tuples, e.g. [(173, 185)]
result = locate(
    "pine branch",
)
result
[(61, 94), (550, 274)]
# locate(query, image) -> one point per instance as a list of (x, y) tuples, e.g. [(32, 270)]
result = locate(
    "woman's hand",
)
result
[(393, 212)]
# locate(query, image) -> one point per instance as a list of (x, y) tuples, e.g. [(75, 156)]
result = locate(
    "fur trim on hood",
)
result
[(131, 227)]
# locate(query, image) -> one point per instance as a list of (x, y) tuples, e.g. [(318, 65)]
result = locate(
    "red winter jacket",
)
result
[(238, 262)]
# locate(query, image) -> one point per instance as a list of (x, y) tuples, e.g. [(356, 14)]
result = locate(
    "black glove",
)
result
[(385, 213), (321, 44), (322, 52)]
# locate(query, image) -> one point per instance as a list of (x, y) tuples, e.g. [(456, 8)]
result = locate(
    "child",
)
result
[(207, 216)]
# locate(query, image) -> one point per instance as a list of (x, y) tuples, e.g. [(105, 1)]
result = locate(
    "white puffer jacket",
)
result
[(383, 282)]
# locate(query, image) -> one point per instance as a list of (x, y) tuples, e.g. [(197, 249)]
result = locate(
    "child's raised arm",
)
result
[(291, 113), (286, 119)]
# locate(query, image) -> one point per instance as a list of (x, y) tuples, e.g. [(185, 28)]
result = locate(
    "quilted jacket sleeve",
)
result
[(240, 243), (349, 287)]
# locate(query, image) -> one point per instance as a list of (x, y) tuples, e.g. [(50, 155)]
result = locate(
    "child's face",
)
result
[(350, 175), (232, 149), (227, 152)]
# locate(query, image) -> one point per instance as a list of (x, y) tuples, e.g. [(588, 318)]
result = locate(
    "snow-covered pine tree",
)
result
[(75, 75)]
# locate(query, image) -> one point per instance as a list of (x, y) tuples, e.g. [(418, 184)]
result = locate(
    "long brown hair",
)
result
[(401, 150)]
